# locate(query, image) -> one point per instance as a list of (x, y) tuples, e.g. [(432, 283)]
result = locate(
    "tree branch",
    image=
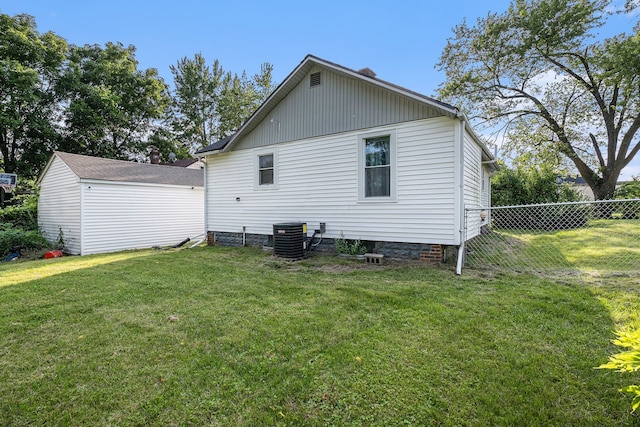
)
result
[(594, 142)]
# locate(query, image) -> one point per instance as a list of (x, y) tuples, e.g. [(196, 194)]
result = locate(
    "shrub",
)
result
[(628, 190), (12, 239), (547, 218), (627, 361), (23, 213), (522, 186), (350, 247)]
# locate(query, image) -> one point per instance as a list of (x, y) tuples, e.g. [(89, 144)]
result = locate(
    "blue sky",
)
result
[(400, 40)]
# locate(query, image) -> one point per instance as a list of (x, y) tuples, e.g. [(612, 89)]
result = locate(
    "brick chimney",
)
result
[(367, 72), (155, 157)]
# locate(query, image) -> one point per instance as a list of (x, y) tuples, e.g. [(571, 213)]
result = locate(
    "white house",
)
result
[(103, 205), (368, 159)]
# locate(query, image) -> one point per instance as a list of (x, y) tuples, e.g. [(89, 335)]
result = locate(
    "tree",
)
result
[(240, 97), (527, 184), (536, 72), (112, 106), (629, 190), (209, 103), (196, 95), (30, 64)]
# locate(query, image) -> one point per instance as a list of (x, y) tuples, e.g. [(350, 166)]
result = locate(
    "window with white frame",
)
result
[(266, 169), (377, 167)]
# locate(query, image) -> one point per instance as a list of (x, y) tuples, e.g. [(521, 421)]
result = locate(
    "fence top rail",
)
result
[(592, 202)]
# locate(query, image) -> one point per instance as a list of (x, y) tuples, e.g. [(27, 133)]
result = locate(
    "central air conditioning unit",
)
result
[(288, 240)]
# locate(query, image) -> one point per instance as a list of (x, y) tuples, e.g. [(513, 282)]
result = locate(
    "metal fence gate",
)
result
[(601, 236)]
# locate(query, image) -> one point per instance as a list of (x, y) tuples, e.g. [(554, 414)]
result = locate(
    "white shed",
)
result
[(101, 205)]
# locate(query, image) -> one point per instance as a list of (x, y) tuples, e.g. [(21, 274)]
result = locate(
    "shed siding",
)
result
[(59, 206), (472, 184), (128, 216), (318, 182), (339, 104)]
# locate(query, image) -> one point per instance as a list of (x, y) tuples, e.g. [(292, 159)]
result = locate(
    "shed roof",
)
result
[(97, 168)]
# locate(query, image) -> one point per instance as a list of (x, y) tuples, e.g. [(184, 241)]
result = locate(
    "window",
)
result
[(377, 172), (377, 167), (265, 169)]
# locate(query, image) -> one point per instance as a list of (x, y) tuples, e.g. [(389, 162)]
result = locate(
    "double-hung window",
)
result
[(266, 169), (377, 167)]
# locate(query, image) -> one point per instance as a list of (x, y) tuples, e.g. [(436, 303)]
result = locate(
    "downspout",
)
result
[(461, 236), (82, 216), (206, 200)]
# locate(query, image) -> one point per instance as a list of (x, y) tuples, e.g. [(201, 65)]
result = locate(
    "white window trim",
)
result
[(256, 169), (393, 197)]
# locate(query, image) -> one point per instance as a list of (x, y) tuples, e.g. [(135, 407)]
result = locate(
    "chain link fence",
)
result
[(601, 237)]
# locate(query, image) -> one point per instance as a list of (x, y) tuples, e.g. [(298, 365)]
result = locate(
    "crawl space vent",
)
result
[(315, 79)]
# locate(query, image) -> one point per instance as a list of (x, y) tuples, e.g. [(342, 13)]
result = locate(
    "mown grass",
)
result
[(601, 246), (259, 341)]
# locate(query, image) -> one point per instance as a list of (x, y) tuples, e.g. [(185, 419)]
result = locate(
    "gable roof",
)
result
[(97, 168), (298, 74)]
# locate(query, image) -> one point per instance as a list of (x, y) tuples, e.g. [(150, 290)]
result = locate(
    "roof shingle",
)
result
[(87, 167)]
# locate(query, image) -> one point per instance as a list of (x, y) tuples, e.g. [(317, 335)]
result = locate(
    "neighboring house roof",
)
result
[(577, 180), (218, 145), (298, 74), (182, 163), (96, 168)]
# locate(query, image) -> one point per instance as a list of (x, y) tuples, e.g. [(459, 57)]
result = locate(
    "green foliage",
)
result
[(23, 211), (536, 71), (629, 190), (30, 65), (627, 361), (350, 247), (210, 103), (19, 222), (19, 239), (532, 185), (113, 105), (194, 114), (22, 214), (524, 186)]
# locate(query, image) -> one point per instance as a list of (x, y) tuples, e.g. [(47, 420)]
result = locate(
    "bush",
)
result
[(627, 361), (16, 239), (547, 218), (350, 247), (527, 186), (23, 214), (521, 186), (628, 190)]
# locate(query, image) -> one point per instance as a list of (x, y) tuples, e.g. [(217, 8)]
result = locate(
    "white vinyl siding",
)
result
[(339, 104), (99, 216), (120, 216), (59, 206), (318, 182), (472, 177)]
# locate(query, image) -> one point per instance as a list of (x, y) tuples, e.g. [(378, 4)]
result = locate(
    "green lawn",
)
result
[(600, 246), (260, 341)]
